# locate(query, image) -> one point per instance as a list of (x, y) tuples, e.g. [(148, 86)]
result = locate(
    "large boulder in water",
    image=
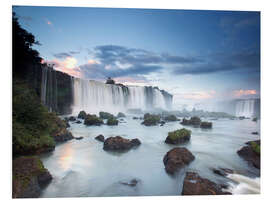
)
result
[(112, 121), (82, 114), (176, 159), (195, 121), (105, 115), (151, 119), (196, 185), (28, 177), (100, 138), (62, 136), (170, 118), (120, 144), (251, 153), (121, 115), (206, 124), (72, 118), (92, 120), (178, 136)]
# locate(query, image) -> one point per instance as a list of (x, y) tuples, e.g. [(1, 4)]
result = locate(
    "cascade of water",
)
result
[(245, 108), (94, 96)]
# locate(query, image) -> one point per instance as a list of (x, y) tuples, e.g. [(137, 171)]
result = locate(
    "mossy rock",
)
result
[(105, 115), (93, 120), (82, 114), (151, 119), (112, 121), (255, 147), (206, 124), (28, 177), (121, 115), (170, 118), (179, 136)]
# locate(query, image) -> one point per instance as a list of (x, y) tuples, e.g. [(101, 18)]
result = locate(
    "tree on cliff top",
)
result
[(23, 56)]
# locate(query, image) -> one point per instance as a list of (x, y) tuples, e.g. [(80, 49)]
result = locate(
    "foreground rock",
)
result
[(28, 177), (150, 119), (100, 138), (196, 185), (178, 136), (176, 159), (222, 171), (251, 153), (92, 120), (120, 144)]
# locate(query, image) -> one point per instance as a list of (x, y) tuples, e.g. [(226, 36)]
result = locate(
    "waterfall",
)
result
[(93, 96), (49, 88), (245, 108)]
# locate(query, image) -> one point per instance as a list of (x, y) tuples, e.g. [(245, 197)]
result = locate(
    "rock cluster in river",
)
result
[(177, 158), (150, 119), (196, 185), (196, 122), (120, 144)]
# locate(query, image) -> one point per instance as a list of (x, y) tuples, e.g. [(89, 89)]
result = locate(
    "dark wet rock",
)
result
[(255, 119), (82, 114), (78, 138), (196, 185), (242, 117), (206, 124), (78, 122), (92, 120), (170, 118), (100, 138), (178, 136), (135, 118), (28, 177), (121, 115), (131, 183), (105, 115), (120, 144), (222, 171), (255, 133), (251, 153), (150, 119), (195, 121), (112, 121), (66, 123), (72, 118), (176, 159)]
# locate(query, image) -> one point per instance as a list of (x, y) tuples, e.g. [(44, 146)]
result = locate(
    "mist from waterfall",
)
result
[(93, 96)]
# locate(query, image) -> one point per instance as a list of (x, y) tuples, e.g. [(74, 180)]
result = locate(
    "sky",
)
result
[(200, 57)]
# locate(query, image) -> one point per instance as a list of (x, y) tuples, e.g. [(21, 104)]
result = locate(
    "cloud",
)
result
[(68, 65), (241, 92), (63, 55), (220, 62)]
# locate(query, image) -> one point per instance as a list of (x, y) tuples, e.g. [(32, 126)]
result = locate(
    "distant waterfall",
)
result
[(245, 108), (49, 88), (93, 96)]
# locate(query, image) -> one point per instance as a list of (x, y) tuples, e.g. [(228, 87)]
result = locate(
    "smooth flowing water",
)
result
[(82, 168)]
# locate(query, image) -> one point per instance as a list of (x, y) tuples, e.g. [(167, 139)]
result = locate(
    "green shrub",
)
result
[(256, 147), (92, 120), (105, 115), (112, 121), (178, 134)]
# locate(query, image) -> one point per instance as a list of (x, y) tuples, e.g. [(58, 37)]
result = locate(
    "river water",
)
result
[(81, 168)]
